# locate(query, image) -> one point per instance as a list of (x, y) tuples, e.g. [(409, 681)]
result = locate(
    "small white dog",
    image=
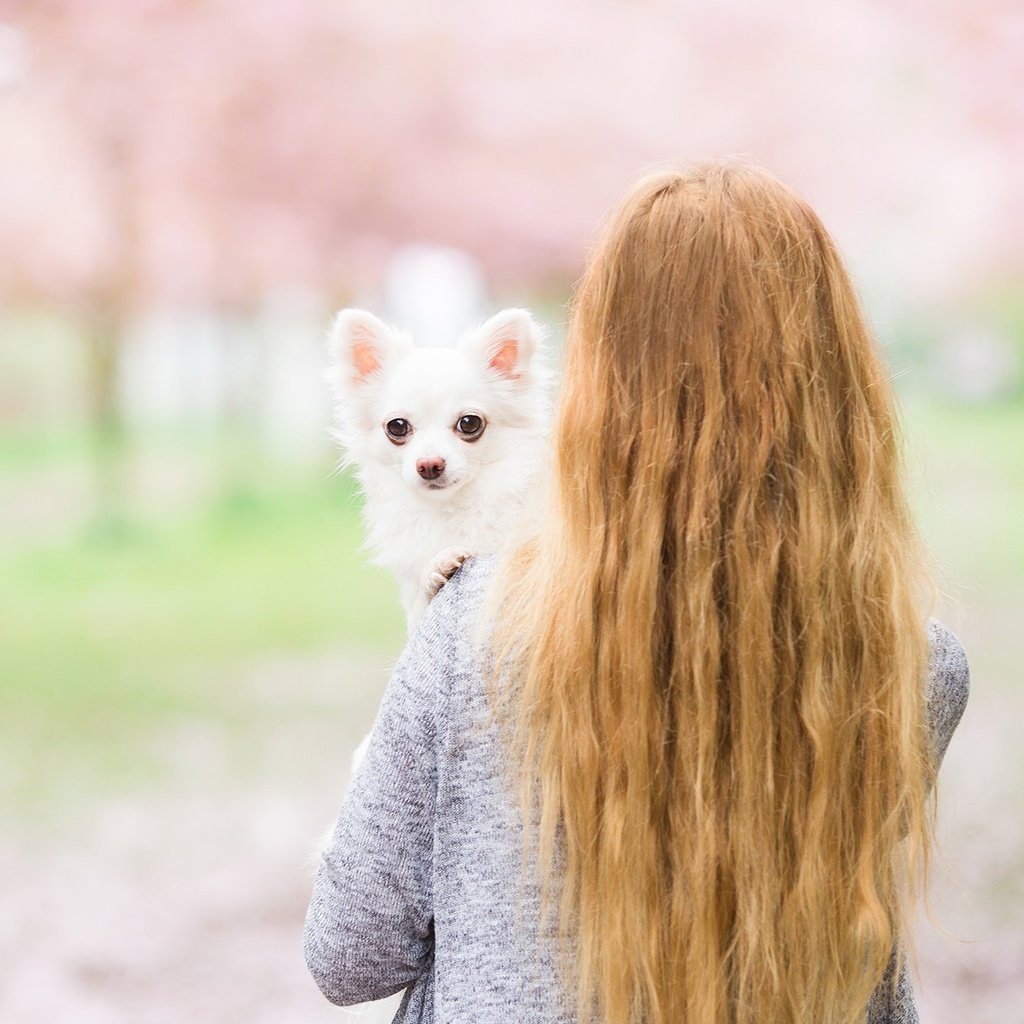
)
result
[(449, 444)]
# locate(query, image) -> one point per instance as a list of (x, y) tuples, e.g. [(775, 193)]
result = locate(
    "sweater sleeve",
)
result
[(369, 929)]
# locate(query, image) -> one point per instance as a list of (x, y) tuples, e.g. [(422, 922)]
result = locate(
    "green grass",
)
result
[(966, 465), (31, 450), (132, 623), (251, 575)]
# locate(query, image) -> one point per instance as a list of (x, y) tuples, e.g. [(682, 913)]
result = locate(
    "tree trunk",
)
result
[(104, 334)]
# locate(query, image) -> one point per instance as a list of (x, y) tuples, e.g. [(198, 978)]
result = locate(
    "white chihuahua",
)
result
[(449, 444)]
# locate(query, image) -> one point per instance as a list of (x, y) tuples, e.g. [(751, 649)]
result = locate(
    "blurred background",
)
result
[(191, 641)]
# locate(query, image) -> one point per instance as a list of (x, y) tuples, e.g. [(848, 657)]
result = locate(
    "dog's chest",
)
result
[(407, 539)]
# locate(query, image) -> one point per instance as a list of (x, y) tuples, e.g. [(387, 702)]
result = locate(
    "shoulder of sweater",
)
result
[(949, 682), (461, 597), (448, 629), (948, 666)]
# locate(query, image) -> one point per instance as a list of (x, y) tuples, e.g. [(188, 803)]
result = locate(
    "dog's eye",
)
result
[(470, 426), (398, 430)]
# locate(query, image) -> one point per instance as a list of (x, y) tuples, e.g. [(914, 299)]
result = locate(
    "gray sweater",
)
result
[(420, 885)]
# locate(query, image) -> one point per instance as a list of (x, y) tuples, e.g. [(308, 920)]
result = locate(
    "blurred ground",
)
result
[(179, 695), (185, 902)]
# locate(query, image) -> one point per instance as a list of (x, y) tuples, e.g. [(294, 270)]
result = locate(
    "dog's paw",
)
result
[(442, 569)]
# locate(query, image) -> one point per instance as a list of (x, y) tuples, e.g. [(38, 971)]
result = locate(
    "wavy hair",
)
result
[(717, 639)]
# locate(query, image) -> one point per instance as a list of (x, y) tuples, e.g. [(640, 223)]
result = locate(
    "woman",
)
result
[(707, 687)]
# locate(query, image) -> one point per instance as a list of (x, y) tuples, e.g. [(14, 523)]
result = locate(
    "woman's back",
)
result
[(423, 883)]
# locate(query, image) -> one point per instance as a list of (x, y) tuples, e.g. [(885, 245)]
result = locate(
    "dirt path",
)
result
[(185, 903)]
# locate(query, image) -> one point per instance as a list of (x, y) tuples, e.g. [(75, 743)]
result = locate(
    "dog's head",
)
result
[(440, 418)]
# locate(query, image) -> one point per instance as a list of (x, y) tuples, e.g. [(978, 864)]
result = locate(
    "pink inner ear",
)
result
[(505, 357), (365, 359)]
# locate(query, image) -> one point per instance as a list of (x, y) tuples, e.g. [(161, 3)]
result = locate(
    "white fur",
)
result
[(492, 485)]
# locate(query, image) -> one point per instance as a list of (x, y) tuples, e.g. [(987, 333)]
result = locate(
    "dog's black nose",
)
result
[(430, 469)]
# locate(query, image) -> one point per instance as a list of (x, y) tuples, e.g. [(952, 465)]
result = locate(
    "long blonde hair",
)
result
[(716, 642)]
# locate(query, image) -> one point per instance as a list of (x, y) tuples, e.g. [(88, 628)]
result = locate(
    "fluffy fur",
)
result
[(422, 520)]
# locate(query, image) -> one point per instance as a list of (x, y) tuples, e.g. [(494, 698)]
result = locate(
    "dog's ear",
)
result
[(505, 343), (360, 346)]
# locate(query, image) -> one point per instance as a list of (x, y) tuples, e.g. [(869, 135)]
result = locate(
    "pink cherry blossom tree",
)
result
[(163, 153)]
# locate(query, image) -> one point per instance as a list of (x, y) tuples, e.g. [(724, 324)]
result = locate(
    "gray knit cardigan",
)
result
[(420, 886)]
